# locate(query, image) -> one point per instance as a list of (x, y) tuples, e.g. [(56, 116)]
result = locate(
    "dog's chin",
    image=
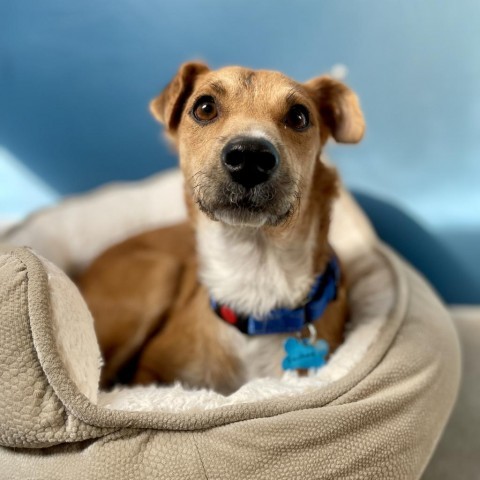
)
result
[(240, 217), (236, 216), (267, 204)]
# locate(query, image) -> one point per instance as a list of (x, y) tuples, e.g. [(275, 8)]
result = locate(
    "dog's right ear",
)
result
[(167, 108)]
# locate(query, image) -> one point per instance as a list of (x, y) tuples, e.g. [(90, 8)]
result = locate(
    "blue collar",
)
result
[(283, 320)]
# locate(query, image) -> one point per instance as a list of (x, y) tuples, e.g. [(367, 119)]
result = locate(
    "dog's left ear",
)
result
[(339, 108), (167, 108)]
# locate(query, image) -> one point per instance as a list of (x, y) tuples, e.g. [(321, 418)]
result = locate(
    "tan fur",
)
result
[(149, 307)]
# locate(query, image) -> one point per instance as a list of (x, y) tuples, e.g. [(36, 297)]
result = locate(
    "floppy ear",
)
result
[(168, 106), (339, 108)]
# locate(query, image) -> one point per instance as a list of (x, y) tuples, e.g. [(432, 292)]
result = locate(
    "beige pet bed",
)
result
[(375, 411)]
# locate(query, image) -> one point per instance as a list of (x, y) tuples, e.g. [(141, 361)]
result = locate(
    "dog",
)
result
[(211, 302)]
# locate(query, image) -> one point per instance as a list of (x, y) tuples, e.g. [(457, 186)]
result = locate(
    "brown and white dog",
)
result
[(259, 199)]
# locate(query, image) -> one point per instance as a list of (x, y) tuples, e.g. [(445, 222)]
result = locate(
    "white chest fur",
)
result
[(250, 273)]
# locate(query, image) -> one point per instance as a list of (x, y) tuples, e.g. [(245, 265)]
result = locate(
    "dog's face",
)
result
[(249, 140)]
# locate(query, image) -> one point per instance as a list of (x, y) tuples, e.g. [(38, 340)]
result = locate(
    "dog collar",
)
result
[(283, 320)]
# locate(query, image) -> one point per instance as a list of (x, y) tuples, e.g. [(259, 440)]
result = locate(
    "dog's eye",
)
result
[(205, 109), (297, 118)]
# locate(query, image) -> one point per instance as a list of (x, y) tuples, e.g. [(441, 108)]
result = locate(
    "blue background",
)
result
[(76, 78)]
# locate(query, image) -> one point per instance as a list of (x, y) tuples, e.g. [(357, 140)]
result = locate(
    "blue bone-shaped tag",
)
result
[(302, 354)]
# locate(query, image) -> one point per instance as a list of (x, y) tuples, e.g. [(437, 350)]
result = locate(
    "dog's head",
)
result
[(249, 140)]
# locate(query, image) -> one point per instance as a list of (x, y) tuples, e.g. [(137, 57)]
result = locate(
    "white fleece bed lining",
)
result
[(370, 307)]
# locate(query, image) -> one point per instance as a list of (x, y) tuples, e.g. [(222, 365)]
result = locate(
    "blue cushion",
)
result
[(429, 253)]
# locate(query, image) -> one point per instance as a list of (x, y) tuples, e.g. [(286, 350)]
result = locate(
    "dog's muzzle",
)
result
[(248, 186), (250, 161)]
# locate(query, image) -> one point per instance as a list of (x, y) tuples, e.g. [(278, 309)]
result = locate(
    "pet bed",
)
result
[(376, 410)]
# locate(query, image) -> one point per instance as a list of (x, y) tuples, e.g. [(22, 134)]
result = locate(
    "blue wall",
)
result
[(76, 78)]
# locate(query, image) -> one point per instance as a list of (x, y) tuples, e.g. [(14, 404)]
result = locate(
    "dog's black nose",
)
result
[(250, 161)]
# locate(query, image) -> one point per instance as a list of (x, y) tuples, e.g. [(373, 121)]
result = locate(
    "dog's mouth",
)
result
[(270, 203)]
